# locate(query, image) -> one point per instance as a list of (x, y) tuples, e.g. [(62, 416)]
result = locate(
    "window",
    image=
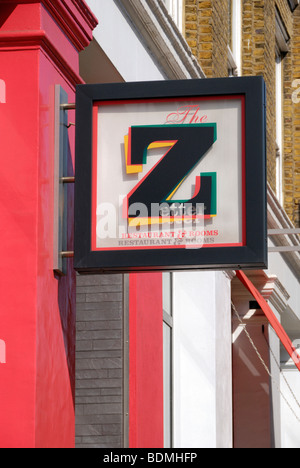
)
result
[(168, 360), (175, 9)]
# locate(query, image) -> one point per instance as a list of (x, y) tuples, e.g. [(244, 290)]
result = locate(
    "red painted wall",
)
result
[(37, 309), (55, 345), (146, 361)]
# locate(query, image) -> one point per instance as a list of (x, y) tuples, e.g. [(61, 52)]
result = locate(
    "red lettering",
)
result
[(186, 115)]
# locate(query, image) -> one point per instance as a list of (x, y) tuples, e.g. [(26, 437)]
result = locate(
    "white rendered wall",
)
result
[(120, 43), (279, 267), (202, 360), (290, 424)]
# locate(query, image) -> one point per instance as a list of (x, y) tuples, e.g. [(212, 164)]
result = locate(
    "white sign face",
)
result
[(168, 173)]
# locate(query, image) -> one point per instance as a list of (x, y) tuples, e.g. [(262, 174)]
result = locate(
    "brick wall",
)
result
[(258, 58), (292, 125), (220, 14), (207, 33), (99, 362), (286, 15), (296, 122)]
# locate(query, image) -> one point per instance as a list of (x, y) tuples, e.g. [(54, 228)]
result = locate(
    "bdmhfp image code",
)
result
[(150, 457)]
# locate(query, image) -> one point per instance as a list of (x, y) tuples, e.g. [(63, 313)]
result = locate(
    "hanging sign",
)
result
[(170, 175)]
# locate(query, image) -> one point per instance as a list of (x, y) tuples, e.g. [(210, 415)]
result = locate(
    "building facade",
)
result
[(246, 34), (146, 360)]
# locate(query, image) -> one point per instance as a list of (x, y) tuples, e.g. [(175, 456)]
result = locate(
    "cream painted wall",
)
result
[(202, 360)]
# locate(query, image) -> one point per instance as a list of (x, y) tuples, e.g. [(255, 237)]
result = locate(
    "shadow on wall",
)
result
[(6, 11)]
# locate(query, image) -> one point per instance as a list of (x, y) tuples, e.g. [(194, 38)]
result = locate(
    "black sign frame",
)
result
[(253, 254)]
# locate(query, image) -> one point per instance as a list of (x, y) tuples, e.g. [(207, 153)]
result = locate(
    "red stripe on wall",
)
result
[(146, 361)]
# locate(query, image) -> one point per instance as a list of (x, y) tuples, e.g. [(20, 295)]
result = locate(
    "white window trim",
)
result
[(175, 9), (237, 35), (162, 37), (231, 64), (282, 46)]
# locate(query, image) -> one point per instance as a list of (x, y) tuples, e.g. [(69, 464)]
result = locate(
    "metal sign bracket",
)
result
[(61, 181)]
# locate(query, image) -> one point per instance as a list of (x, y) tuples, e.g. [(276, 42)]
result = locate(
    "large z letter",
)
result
[(190, 144)]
